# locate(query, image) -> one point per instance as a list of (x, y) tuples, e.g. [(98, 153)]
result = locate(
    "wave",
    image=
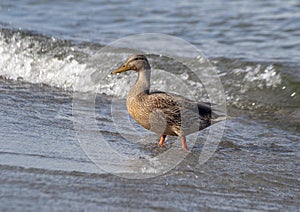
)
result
[(83, 67)]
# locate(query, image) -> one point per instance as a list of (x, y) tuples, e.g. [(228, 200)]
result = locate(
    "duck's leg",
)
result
[(183, 141), (162, 140)]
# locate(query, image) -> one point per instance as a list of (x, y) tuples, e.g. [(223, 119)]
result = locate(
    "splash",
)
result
[(38, 59), (30, 60), (257, 77)]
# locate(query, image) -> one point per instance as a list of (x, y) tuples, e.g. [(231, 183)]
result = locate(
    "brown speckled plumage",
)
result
[(160, 112)]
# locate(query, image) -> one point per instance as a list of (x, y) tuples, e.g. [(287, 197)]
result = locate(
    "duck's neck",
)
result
[(141, 86)]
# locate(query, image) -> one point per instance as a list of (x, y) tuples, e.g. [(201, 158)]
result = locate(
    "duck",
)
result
[(165, 114)]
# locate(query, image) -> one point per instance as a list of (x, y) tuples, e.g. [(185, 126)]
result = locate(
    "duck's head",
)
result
[(136, 63)]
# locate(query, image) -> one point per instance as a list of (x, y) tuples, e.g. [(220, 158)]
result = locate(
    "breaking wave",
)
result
[(38, 59)]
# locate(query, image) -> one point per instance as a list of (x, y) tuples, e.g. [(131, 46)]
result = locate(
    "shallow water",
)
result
[(52, 60), (43, 166)]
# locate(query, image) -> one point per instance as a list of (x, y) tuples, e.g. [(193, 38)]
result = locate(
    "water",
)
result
[(48, 47)]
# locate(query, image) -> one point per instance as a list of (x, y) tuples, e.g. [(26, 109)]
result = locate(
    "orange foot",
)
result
[(162, 140), (183, 141)]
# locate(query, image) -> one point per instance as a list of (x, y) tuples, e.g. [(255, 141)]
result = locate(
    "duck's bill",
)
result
[(121, 69)]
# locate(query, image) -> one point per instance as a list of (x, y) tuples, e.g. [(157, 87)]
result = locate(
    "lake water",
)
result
[(58, 102)]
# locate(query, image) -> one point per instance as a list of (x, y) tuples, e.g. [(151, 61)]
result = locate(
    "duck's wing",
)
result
[(184, 115), (174, 99), (174, 105), (180, 111), (165, 102)]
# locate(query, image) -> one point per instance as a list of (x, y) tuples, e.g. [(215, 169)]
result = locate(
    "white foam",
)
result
[(20, 60), (32, 59), (256, 77), (85, 69)]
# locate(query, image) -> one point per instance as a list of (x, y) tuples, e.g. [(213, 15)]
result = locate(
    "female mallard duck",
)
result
[(160, 112)]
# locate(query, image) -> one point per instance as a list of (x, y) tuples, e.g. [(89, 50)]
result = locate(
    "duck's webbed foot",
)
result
[(162, 140)]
